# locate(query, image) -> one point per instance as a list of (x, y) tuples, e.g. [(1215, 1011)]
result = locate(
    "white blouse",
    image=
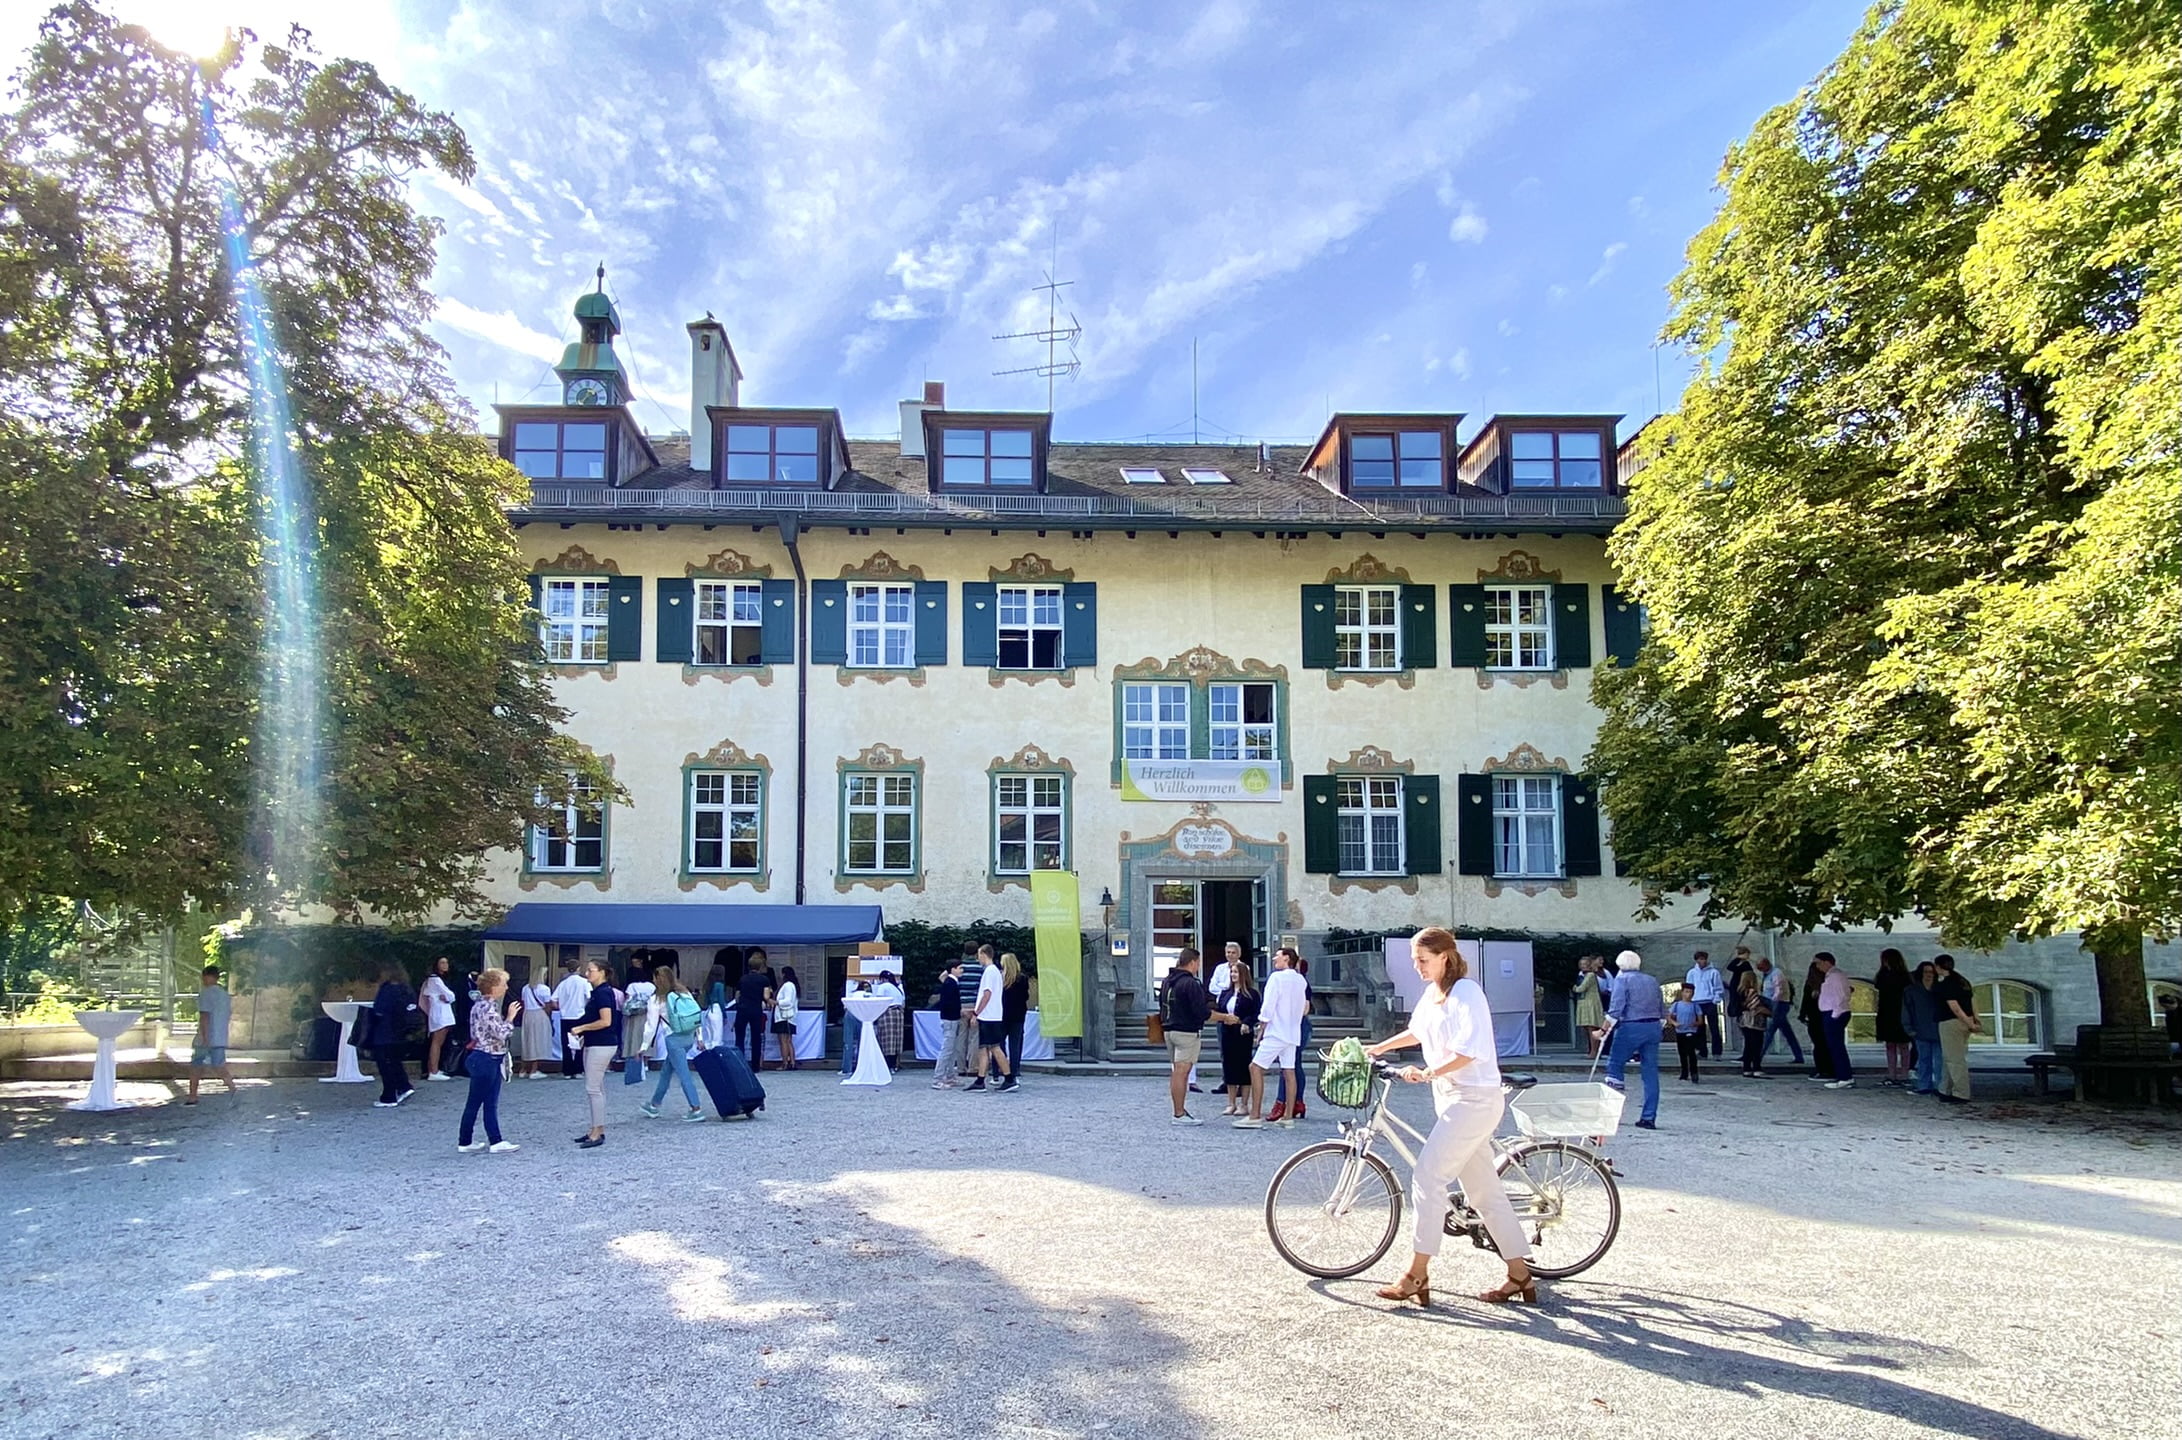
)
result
[(439, 1004), (1462, 1024), (785, 1001)]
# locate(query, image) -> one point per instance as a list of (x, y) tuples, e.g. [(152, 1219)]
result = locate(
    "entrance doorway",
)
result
[(1205, 915)]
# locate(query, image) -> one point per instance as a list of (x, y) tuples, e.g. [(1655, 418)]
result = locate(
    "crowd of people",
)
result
[(982, 1018), (1924, 1018), (1262, 1033)]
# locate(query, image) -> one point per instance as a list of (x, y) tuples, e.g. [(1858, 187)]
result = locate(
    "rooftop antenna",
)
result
[(1193, 391), (1054, 335)]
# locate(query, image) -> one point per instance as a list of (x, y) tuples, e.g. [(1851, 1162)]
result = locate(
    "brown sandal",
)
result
[(1510, 1288), (1409, 1287)]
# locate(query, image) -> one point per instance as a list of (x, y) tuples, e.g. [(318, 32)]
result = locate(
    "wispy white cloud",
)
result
[(499, 328), (1607, 261), (1468, 227)]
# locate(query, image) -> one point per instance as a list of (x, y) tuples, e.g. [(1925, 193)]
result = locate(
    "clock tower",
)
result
[(591, 374)]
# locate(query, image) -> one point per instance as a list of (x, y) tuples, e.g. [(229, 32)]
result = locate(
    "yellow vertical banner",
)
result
[(1057, 922)]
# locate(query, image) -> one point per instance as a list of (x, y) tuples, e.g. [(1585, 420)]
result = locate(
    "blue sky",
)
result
[(1455, 206)]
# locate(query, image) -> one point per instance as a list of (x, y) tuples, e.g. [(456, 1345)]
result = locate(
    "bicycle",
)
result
[(1333, 1209)]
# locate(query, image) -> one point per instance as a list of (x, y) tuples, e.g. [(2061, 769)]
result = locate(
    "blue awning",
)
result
[(620, 924)]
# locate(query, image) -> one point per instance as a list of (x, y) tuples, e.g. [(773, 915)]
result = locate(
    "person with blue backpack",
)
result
[(679, 1017)]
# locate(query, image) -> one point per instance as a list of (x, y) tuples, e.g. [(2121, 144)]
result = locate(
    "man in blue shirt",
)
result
[(1711, 996), (1632, 1023)]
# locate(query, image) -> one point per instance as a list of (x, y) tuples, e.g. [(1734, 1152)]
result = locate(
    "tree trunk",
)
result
[(2118, 956)]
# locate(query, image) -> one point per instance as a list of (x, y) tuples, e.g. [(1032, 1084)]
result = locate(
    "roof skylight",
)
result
[(1142, 475), (1200, 475)]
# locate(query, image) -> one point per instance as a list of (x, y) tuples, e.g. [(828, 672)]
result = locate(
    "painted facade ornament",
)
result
[(576, 560), (1526, 759), (1032, 567), (1029, 758), (880, 757), (1371, 760), (1520, 565), (730, 563), (1369, 569), (1200, 663), (882, 566), (727, 755)]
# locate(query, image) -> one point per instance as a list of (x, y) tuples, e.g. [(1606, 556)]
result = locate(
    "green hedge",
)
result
[(315, 957)]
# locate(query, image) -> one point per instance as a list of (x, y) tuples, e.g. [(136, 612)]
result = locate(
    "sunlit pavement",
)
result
[(293, 1262)]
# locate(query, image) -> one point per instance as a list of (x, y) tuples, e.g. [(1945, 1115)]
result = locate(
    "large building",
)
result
[(1240, 691)]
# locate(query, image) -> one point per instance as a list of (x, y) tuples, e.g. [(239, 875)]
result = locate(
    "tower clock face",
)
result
[(587, 391)]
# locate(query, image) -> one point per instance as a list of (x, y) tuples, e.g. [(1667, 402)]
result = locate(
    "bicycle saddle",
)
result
[(1518, 1082)]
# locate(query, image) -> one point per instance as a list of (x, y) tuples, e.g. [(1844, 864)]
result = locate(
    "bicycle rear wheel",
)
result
[(1332, 1213), (1567, 1203)]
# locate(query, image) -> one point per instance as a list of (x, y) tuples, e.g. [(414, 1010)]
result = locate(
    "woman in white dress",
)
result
[(785, 1003), (1454, 1025), (539, 1044), (437, 998)]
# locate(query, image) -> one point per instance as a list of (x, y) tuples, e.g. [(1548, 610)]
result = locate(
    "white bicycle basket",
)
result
[(1573, 1110)]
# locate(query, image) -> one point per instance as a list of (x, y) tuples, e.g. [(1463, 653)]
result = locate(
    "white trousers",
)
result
[(1458, 1149)]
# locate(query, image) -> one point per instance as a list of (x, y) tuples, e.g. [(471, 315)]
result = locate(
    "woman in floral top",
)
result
[(490, 1025)]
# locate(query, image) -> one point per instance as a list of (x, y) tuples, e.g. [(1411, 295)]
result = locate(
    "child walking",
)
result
[(1688, 1019)]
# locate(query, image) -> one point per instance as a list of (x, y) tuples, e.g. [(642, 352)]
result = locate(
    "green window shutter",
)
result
[(830, 623), (931, 622), (980, 623), (677, 601), (1080, 625), (1624, 626), (1321, 824), (1474, 824), (624, 617), (1572, 626), (777, 640), (1466, 627), (1420, 629), (1421, 824), (1579, 826), (537, 593), (1318, 646), (537, 619)]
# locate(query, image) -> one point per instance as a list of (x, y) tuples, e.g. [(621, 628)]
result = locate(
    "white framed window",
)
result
[(1367, 627), (730, 623), (575, 838), (1370, 818), (1205, 475), (1030, 627), (1519, 627), (882, 626), (882, 824), (725, 819), (2007, 1014), (1243, 724), (1526, 825), (1155, 720), (1029, 822), (1142, 475), (574, 627)]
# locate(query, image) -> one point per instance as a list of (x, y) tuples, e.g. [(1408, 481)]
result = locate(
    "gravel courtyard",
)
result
[(1062, 1262)]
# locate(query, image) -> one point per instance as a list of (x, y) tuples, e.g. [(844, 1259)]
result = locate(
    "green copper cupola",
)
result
[(590, 372)]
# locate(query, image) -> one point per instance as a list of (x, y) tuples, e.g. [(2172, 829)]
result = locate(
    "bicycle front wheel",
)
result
[(1331, 1212), (1567, 1203)]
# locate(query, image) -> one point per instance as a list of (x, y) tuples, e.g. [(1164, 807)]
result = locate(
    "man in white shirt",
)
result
[(569, 998), (1833, 1002), (1711, 991), (1280, 1022), (992, 1030)]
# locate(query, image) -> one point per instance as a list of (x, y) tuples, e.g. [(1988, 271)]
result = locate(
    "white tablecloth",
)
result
[(926, 1024), (870, 1055), (345, 1070)]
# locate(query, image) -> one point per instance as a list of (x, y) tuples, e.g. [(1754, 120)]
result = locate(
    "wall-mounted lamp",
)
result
[(1106, 898)]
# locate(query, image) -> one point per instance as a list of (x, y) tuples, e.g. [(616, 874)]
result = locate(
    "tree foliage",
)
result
[(132, 584), (1913, 546)]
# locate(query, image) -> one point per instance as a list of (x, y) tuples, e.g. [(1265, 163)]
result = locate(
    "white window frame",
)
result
[(1150, 727), (1233, 736), (1993, 1021), (1527, 839), (883, 800), (1369, 811), (879, 640), (1039, 796), (739, 606), (739, 803), (572, 618), (1142, 475), (1356, 628), (1027, 626), (557, 848), (1206, 475), (1514, 641)]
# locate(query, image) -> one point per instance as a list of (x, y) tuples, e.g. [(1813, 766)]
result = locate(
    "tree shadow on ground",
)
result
[(1729, 1346)]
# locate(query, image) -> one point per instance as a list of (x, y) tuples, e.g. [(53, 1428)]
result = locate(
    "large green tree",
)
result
[(1912, 548), (133, 576)]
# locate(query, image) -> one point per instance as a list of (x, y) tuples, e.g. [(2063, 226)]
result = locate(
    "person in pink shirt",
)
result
[(1833, 1003)]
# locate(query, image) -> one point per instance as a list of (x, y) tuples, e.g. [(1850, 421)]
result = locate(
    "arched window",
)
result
[(1863, 1013), (2008, 1014)]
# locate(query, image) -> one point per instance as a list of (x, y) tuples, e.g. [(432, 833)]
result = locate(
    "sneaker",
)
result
[(695, 1117), (1009, 1086), (943, 1084), (1249, 1122), (1647, 1124), (503, 1147), (1840, 1084), (1821, 1079), (1196, 1090), (384, 1104), (977, 1084), (648, 1110), (475, 1147), (1286, 1122), (403, 1098), (1185, 1118)]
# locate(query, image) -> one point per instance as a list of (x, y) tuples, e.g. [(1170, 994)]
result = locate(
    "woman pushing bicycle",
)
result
[(1454, 1025)]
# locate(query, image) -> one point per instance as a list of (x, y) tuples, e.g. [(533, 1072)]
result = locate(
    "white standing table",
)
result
[(345, 1070), (109, 1026), (870, 1059)]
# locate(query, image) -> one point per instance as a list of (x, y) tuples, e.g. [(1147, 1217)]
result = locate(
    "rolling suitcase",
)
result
[(728, 1080)]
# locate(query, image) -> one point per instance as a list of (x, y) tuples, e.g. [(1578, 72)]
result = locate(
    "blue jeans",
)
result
[(1779, 1025), (1928, 1063), (677, 1068), (484, 1071), (1837, 1041), (852, 1034), (1303, 1050), (1638, 1040)]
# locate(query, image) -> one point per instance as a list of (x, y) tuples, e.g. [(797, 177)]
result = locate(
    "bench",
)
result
[(2112, 1062)]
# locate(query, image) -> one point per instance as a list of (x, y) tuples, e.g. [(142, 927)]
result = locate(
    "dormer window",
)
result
[(1400, 459), (1555, 459), (772, 454), (981, 457), (565, 450)]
